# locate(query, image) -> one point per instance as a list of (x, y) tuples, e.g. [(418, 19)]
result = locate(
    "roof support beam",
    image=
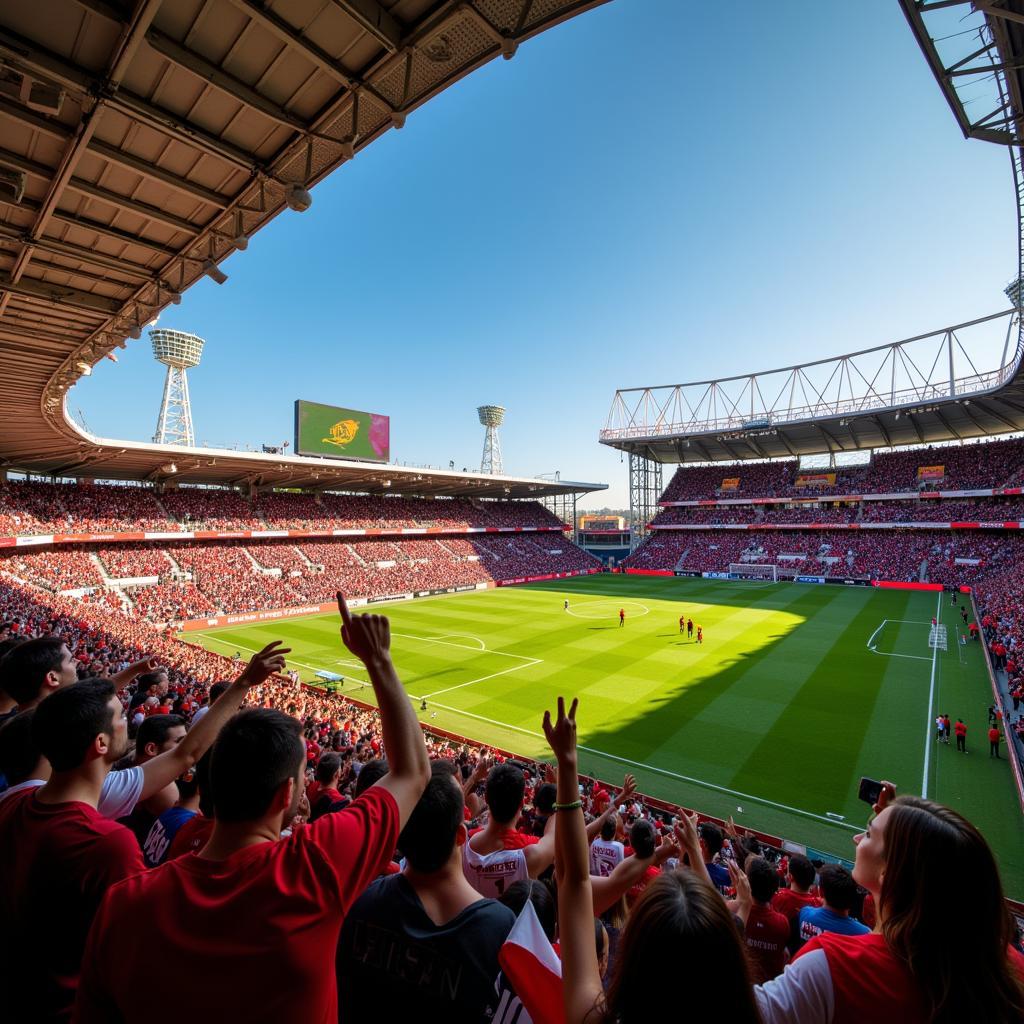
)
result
[(277, 26), (151, 171), (371, 17), (96, 192), (33, 58), (221, 79), (77, 252), (60, 295)]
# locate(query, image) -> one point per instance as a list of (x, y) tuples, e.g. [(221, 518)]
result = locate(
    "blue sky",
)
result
[(653, 192)]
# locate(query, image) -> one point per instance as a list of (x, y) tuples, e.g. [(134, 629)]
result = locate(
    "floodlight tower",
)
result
[(491, 417), (177, 351)]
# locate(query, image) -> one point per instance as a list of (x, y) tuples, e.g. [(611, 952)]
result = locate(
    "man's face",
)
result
[(162, 685), (119, 732), (297, 790), (67, 673), (173, 738)]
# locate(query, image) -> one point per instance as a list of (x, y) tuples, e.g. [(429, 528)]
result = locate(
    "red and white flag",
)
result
[(533, 969)]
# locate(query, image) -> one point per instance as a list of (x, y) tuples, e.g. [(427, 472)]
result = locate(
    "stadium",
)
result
[(818, 576)]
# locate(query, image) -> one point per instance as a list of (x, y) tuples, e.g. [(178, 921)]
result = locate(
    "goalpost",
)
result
[(752, 571)]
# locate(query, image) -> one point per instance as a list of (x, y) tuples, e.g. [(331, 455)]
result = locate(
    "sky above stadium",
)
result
[(655, 192)]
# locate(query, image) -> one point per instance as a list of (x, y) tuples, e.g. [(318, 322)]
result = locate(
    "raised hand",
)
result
[(669, 848), (561, 734), (368, 637), (885, 797), (686, 832), (264, 664), (627, 791), (741, 884)]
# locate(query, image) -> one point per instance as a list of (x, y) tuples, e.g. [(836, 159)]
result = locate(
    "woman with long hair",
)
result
[(925, 961), (680, 927)]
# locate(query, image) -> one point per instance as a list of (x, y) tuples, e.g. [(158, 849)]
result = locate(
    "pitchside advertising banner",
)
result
[(339, 433)]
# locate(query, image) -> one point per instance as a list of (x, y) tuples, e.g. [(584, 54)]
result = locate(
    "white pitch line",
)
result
[(462, 647), (871, 640), (473, 682), (253, 650), (662, 771), (892, 654), (612, 615), (589, 750), (931, 700)]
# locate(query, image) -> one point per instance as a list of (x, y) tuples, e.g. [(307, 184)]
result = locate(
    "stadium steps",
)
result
[(98, 562), (304, 557), (176, 569), (358, 557), (681, 561)]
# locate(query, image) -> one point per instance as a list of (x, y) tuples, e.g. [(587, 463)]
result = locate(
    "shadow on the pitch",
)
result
[(604, 627)]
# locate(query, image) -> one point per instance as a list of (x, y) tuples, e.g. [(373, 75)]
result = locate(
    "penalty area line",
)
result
[(663, 771)]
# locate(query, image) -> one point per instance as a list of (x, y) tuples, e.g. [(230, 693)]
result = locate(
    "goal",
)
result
[(751, 571)]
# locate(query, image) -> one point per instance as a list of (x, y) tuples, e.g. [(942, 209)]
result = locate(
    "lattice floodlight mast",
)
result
[(491, 416), (644, 491), (178, 352)]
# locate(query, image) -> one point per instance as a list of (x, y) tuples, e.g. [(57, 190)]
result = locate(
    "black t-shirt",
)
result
[(395, 964)]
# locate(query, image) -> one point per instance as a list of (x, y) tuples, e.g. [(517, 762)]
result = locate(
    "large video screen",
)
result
[(337, 433)]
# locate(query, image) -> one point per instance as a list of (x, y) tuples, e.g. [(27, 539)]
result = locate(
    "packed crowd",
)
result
[(42, 508), (198, 578), (933, 510), (958, 558), (303, 859), (964, 467)]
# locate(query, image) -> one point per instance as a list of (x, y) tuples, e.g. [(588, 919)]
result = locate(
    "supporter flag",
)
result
[(534, 971)]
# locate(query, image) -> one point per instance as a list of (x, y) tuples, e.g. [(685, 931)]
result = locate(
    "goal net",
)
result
[(751, 571)]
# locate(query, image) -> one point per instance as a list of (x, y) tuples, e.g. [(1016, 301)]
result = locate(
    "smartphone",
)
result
[(869, 791)]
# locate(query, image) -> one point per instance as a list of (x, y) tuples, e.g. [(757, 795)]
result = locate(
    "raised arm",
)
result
[(131, 672), (610, 889), (689, 843), (368, 637), (628, 789), (581, 976), (165, 768)]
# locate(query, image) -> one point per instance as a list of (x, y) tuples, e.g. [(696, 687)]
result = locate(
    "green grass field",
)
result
[(773, 719)]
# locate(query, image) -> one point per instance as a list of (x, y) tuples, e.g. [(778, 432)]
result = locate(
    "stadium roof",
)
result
[(925, 389), (141, 143)]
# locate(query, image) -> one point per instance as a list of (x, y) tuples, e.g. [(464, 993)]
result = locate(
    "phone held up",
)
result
[(869, 791)]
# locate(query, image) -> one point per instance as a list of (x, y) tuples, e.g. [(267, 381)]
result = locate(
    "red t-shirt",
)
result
[(870, 983), (960, 729), (993, 735), (252, 937), (56, 863), (790, 903), (511, 839), (767, 933), (191, 837)]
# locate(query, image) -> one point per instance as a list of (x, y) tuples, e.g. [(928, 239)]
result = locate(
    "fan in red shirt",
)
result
[(964, 967), (790, 901), (767, 931), (58, 854), (249, 926)]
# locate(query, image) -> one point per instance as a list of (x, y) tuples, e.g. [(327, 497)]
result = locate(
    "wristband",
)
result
[(575, 805)]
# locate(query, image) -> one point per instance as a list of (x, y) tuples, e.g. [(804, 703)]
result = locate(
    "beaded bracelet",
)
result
[(575, 805)]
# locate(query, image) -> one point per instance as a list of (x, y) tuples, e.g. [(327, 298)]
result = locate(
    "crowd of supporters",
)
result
[(963, 467), (32, 508), (197, 578), (951, 558), (300, 858), (933, 510)]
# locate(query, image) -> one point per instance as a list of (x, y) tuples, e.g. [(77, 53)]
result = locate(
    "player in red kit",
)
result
[(682, 623), (700, 634), (622, 616)]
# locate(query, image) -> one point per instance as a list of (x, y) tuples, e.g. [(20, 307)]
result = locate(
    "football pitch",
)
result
[(796, 692)]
